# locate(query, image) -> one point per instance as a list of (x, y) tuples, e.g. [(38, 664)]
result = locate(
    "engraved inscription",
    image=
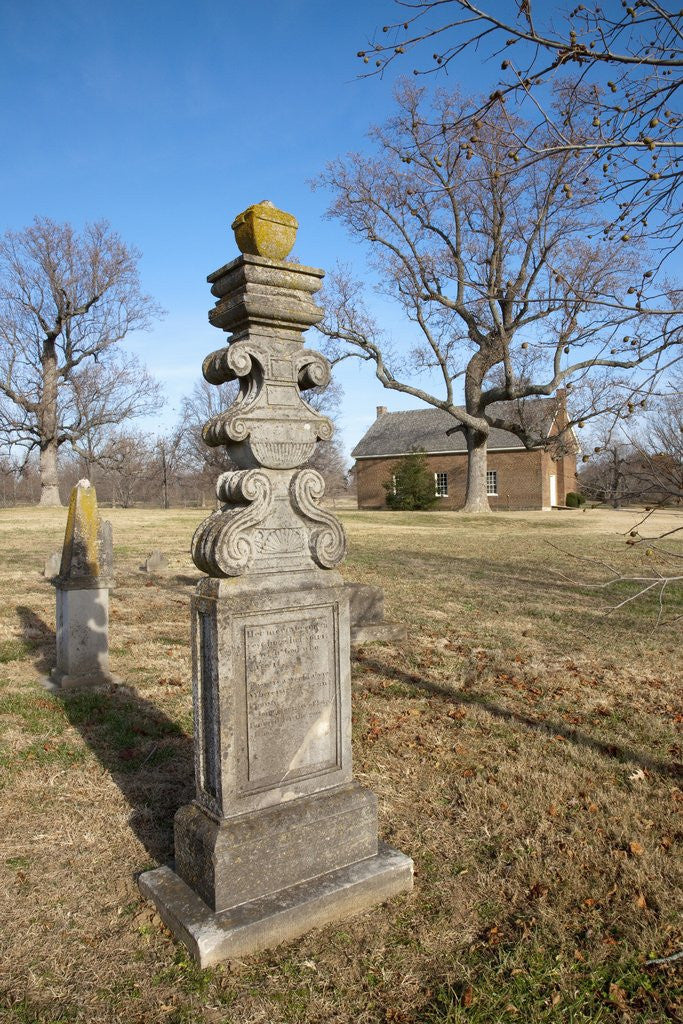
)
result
[(291, 697)]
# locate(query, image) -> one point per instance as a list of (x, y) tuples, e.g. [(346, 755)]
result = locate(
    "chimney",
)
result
[(381, 409)]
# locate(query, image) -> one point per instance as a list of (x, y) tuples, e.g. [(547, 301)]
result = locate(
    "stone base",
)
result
[(64, 681), (279, 917), (82, 633), (229, 862), (378, 632)]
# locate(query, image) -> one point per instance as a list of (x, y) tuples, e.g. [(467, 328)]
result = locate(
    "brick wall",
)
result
[(523, 479)]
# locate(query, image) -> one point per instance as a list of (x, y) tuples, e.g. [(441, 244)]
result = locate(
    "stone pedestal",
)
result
[(82, 593), (82, 636), (368, 624), (280, 837)]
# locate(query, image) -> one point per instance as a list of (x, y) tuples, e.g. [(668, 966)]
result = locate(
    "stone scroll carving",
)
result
[(270, 519), (224, 544), (327, 541)]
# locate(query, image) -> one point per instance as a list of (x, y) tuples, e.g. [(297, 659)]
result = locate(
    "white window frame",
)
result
[(441, 491), (492, 481)]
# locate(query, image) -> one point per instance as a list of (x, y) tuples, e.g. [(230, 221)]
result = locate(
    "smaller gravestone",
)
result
[(368, 625), (52, 564), (82, 587), (156, 564), (106, 542)]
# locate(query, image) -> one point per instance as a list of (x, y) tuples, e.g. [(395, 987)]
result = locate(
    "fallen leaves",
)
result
[(617, 995), (636, 848)]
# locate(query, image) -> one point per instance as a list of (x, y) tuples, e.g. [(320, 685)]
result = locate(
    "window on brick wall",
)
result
[(492, 482), (441, 484)]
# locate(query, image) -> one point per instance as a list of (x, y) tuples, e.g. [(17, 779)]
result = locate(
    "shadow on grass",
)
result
[(147, 754), (572, 735)]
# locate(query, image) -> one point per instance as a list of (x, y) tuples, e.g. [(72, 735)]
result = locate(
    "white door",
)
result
[(553, 489)]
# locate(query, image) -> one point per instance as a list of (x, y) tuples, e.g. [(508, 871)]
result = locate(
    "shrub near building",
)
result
[(575, 499), (411, 487)]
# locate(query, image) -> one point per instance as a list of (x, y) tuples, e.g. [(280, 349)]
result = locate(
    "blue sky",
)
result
[(168, 119)]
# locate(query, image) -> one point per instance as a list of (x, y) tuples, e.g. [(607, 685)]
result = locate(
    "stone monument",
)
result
[(280, 838), (52, 565), (156, 564), (368, 624), (82, 588)]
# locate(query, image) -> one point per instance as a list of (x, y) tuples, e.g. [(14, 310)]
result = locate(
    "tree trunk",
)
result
[(49, 481), (476, 499), (164, 470)]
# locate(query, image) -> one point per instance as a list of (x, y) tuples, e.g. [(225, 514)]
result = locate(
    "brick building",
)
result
[(517, 477)]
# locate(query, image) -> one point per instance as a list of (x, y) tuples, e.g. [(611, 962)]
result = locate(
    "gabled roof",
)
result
[(396, 433)]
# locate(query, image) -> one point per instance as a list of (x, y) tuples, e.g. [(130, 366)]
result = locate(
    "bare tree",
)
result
[(65, 301), (664, 463), (328, 459), (640, 461), (127, 460), (623, 67), (612, 477), (510, 287), (9, 475), (203, 403)]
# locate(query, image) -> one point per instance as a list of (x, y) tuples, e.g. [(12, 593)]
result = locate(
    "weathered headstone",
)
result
[(280, 837), (82, 588), (156, 564), (52, 565), (368, 625)]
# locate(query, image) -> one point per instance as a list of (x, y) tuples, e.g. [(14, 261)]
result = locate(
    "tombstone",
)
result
[(280, 837), (156, 564), (368, 625), (82, 588), (106, 542), (52, 564)]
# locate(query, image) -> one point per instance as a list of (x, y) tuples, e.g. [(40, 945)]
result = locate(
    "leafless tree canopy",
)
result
[(65, 302), (622, 67), (511, 286), (641, 461)]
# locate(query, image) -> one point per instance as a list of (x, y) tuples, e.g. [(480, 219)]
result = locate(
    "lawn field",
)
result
[(525, 748)]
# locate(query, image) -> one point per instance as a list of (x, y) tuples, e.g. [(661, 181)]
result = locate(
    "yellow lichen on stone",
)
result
[(80, 555), (263, 230)]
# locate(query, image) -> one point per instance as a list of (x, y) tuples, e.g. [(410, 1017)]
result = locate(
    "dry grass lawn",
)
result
[(526, 752)]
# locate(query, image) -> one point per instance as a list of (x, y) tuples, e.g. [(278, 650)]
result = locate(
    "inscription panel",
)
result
[(291, 696)]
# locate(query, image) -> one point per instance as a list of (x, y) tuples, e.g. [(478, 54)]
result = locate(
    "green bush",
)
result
[(412, 486), (575, 500)]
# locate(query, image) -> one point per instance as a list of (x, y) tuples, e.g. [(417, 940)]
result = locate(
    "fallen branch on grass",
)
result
[(655, 580), (665, 959)]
